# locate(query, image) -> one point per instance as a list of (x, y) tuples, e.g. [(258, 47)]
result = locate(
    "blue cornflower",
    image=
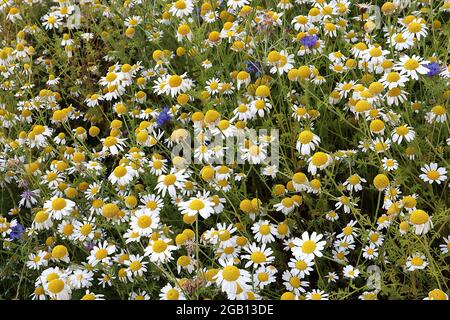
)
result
[(163, 117), (253, 67), (16, 232), (434, 69), (309, 41)]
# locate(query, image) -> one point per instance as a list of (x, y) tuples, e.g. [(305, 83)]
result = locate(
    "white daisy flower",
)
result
[(197, 205), (144, 222), (421, 221), (168, 292), (169, 183), (230, 277), (350, 272), (258, 255), (264, 231), (308, 245), (412, 66), (307, 142), (432, 173), (59, 207), (416, 261), (160, 250)]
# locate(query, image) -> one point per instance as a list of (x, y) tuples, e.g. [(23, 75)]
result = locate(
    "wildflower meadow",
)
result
[(224, 149)]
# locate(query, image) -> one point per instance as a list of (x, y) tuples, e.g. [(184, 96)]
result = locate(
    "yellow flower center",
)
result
[(172, 294), (348, 230), (409, 202), (376, 125), (316, 296), (228, 250), (411, 64), (170, 179), (362, 106), (68, 229), (402, 131), (51, 20), (88, 296), (135, 265), (56, 286), (58, 204), (101, 254), (152, 205), (41, 216), (120, 171), (375, 52), (433, 175), (231, 273), (287, 202), (144, 222), (184, 29), (399, 38), (414, 27), (305, 137), (175, 81), (111, 76), (59, 252), (417, 261), (283, 61), (438, 110), (110, 210), (390, 163), (242, 75), (295, 282), (437, 294), (309, 246), (260, 104), (419, 217), (319, 159), (183, 261), (258, 257), (330, 27), (254, 150), (264, 229), (299, 178), (393, 77), (354, 179), (196, 205), (301, 265), (302, 19), (263, 276), (180, 4), (381, 181), (86, 229), (39, 291), (214, 85), (242, 108), (262, 91), (159, 246), (157, 164), (110, 141), (273, 56)]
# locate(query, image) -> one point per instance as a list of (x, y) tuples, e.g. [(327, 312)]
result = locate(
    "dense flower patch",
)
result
[(337, 184)]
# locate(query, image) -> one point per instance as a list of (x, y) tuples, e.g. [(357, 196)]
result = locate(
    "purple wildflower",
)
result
[(309, 41), (254, 68), (16, 231), (434, 68), (163, 117)]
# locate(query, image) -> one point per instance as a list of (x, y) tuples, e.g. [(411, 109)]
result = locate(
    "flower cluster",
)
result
[(95, 96)]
